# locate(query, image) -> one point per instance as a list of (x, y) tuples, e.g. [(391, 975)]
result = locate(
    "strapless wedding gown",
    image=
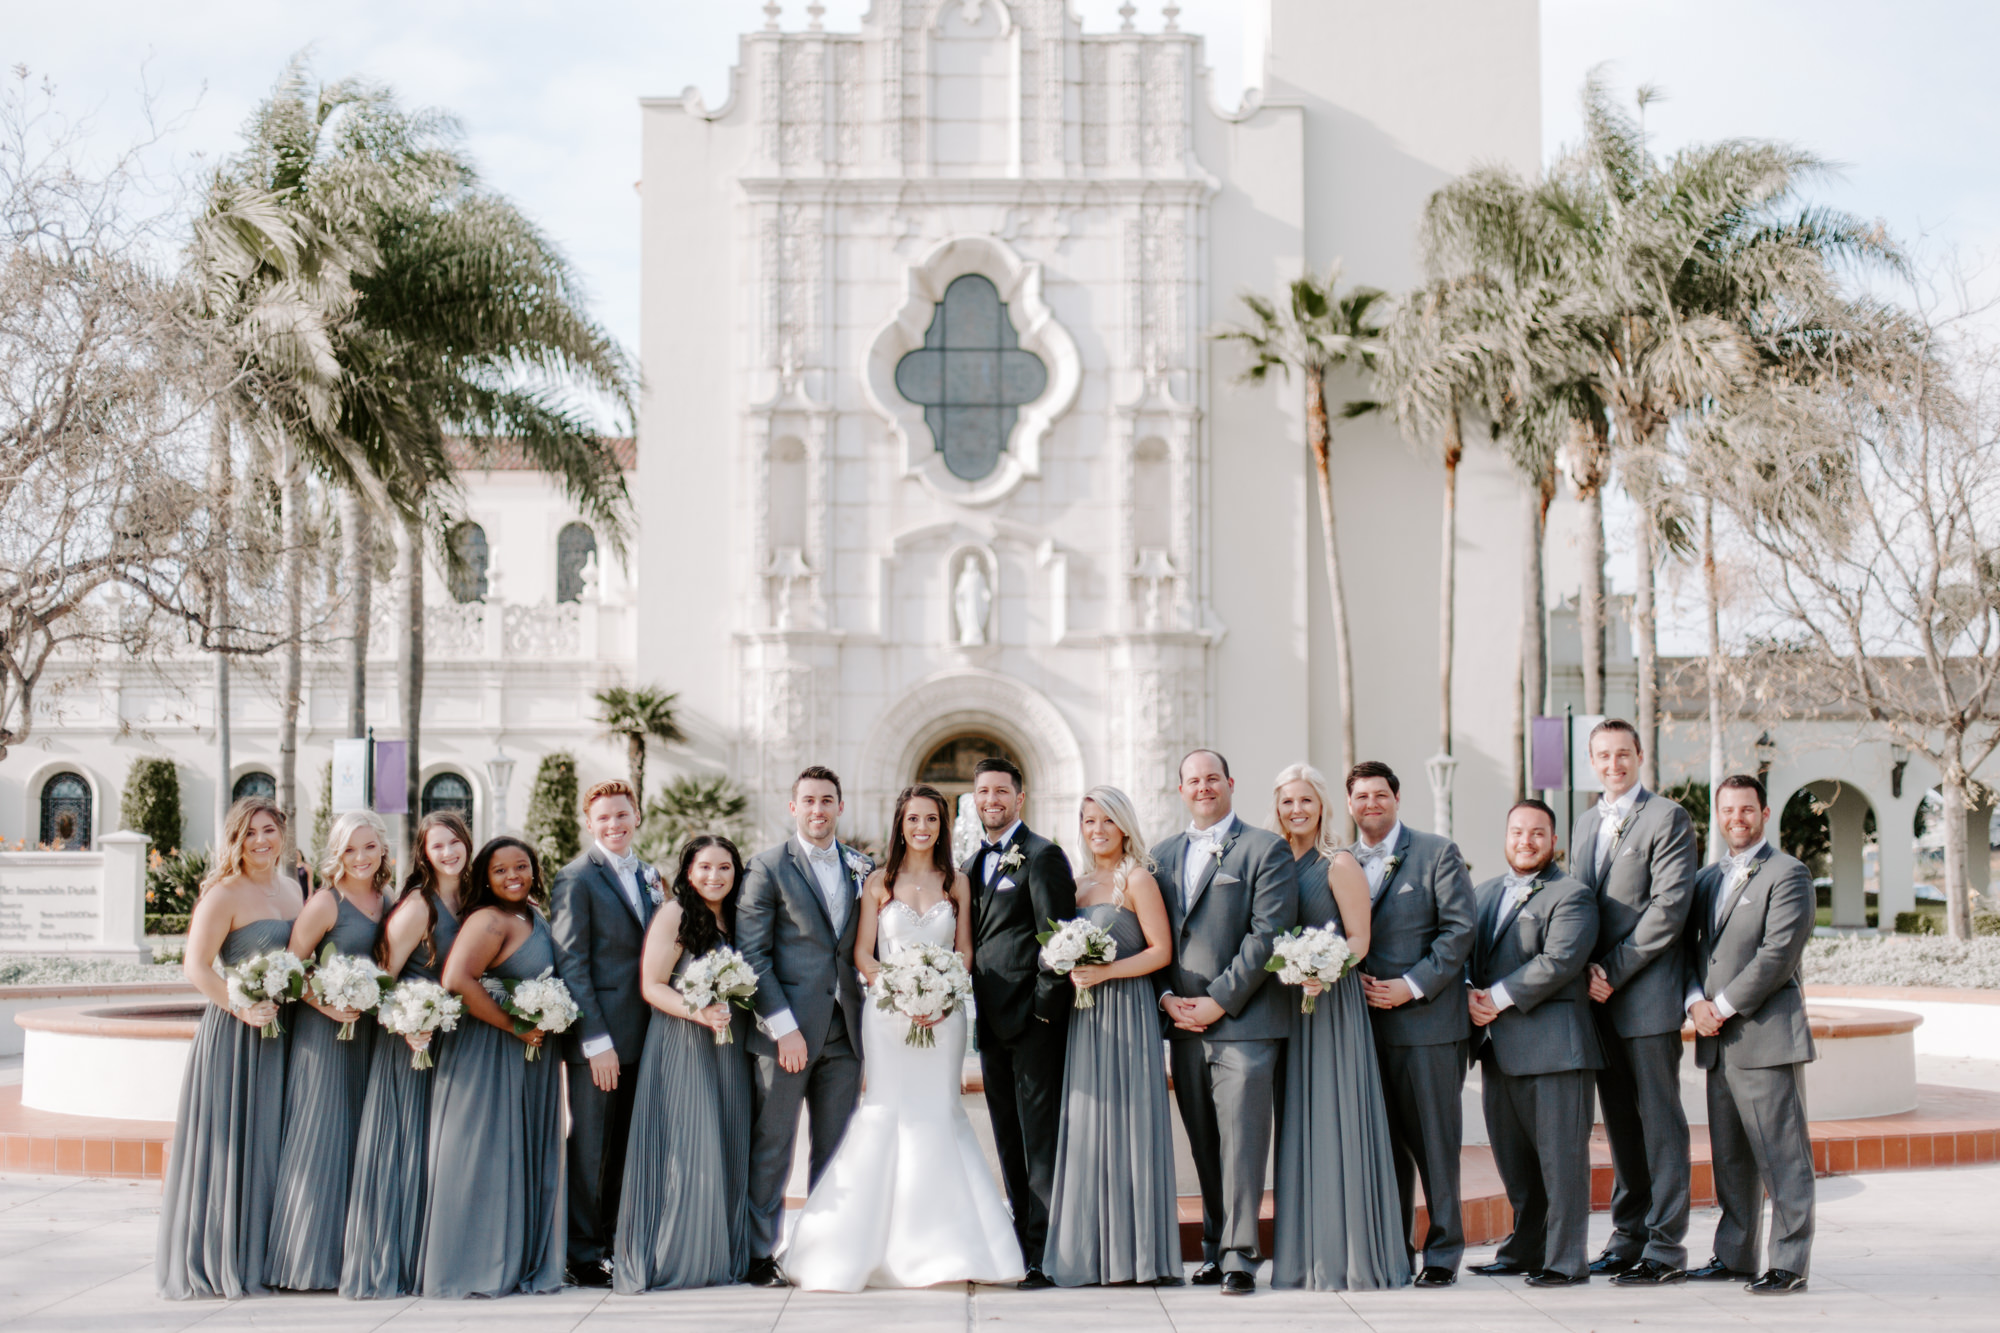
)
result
[(908, 1200)]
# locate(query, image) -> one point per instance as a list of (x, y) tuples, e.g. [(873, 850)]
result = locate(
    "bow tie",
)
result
[(1208, 839), (825, 856), (1515, 883), (985, 847), (1369, 855), (629, 863)]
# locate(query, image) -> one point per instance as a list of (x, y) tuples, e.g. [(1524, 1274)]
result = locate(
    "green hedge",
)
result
[(554, 825), (151, 803), (167, 924)]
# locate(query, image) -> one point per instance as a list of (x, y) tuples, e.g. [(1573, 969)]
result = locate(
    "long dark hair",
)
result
[(477, 891), (899, 847), (423, 881), (699, 932)]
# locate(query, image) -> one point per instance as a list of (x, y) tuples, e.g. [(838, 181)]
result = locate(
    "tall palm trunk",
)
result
[(635, 763), (1648, 714), (1712, 591), (1529, 670), (291, 501), (222, 483), (1319, 437), (410, 686), (356, 564), (1454, 451), (1591, 442)]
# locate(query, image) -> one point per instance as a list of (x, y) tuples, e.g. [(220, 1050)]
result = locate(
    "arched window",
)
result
[(971, 377), (255, 784), (66, 813), (465, 563), (575, 545), (447, 791)]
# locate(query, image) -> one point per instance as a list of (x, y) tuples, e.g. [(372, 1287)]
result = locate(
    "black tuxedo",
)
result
[(1023, 1018)]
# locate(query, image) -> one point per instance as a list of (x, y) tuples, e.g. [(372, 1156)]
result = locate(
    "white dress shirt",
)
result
[(1374, 858), (1610, 813), (986, 862), (1519, 887), (833, 891), (1201, 845), (624, 869), (1742, 865)]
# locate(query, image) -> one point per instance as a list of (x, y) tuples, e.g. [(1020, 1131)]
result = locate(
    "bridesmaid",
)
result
[(385, 1206), (1112, 1210), (215, 1206), (681, 1216), (1337, 1220), (495, 1225), (328, 1077)]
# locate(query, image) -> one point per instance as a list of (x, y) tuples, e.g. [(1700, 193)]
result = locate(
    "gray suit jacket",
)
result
[(1542, 955), (784, 932), (1642, 906), (1755, 957), (1423, 925), (1223, 934), (599, 941)]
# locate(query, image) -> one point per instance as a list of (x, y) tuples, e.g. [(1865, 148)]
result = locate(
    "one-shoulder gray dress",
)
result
[(385, 1202), (324, 1088), (682, 1219), (1337, 1222), (215, 1206), (496, 1220), (1112, 1211)]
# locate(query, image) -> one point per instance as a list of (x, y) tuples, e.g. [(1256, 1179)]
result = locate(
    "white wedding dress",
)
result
[(908, 1200)]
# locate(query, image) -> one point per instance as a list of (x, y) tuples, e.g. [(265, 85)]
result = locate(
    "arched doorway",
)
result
[(66, 823), (949, 767)]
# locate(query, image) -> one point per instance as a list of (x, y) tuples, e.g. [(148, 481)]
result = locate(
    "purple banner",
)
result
[(1545, 744), (392, 790)]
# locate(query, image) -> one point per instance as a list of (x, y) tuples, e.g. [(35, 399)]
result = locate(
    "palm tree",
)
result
[(635, 716), (1314, 330)]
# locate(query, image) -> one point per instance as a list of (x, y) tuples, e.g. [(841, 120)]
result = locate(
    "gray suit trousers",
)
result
[(1225, 1090), (1539, 1125), (828, 1087), (1759, 1143), (1639, 1091), (1423, 1085)]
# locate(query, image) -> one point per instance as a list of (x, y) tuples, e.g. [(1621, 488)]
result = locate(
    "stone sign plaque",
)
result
[(89, 903)]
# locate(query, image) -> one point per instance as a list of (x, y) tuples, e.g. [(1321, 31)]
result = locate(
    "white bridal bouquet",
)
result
[(276, 976), (1073, 944), (720, 974), (419, 1006), (346, 981), (1310, 953), (539, 1002), (922, 981)]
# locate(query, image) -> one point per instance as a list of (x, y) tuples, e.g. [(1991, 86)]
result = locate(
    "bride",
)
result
[(908, 1199)]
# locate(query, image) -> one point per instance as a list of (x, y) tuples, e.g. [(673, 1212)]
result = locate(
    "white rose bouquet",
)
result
[(1310, 953), (922, 982), (419, 1006), (346, 981), (721, 974), (276, 976), (539, 1002), (1071, 944)]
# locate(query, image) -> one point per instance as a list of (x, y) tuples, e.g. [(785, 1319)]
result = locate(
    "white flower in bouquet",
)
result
[(926, 983), (539, 1002), (346, 981), (276, 976), (721, 974), (417, 1006), (1310, 953), (1073, 944)]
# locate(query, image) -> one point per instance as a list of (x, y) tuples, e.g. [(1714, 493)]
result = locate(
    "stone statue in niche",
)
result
[(971, 601)]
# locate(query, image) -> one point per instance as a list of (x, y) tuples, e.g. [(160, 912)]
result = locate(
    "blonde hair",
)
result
[(1125, 816), (1312, 777), (235, 833), (344, 828)]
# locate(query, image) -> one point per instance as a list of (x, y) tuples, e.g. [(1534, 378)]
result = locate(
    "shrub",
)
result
[(1986, 923), (173, 924), (691, 805), (1916, 923), (173, 882), (1904, 960), (554, 826), (152, 803)]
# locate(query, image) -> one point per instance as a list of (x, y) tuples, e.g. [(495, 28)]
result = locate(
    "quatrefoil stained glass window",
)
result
[(971, 377)]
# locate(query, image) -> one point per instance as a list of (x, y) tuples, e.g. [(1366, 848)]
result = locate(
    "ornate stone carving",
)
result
[(1166, 104), (541, 631), (1096, 102), (1156, 259), (453, 629), (803, 139), (792, 257), (847, 102)]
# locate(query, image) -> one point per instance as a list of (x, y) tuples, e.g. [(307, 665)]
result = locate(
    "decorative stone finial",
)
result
[(1126, 11), (771, 10), (1171, 12), (814, 13)]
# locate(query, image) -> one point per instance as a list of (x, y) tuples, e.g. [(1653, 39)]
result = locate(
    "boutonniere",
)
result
[(1012, 860), (654, 889), (858, 865), (1389, 866)]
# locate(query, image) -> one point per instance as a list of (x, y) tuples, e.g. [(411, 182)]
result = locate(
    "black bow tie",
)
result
[(992, 846)]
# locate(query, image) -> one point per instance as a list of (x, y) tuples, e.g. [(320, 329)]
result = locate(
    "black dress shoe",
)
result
[(1611, 1263), (1500, 1268), (1717, 1271), (596, 1274), (764, 1273), (1548, 1277), (1435, 1276), (1650, 1273), (1777, 1282), (1036, 1280), (1208, 1275), (1238, 1284)]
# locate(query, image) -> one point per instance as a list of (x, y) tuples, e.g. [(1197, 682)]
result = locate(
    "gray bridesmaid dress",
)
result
[(1337, 1219), (496, 1220), (1112, 1212), (215, 1205), (324, 1088), (385, 1202), (682, 1216)]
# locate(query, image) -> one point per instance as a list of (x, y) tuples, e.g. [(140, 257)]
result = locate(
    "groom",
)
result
[(1020, 882), (1230, 892), (795, 925)]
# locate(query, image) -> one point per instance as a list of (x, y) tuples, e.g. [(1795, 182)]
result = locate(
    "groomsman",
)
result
[(1020, 882), (1537, 1046), (1636, 850), (795, 925), (1230, 892), (1753, 914), (599, 908), (1423, 923)]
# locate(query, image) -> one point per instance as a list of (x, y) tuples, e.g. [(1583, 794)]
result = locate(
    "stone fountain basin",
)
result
[(123, 1061)]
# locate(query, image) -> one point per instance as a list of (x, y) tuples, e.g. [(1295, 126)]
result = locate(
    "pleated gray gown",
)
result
[(1112, 1210), (385, 1201), (324, 1088), (215, 1205), (1337, 1222), (682, 1215), (496, 1220)]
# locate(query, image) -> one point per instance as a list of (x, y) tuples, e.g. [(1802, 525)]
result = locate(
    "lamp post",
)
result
[(1899, 756), (499, 772), (1767, 750), (1440, 767)]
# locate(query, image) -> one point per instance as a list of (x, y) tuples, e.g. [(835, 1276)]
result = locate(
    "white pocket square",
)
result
[(1003, 886), (1221, 878), (1406, 888)]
